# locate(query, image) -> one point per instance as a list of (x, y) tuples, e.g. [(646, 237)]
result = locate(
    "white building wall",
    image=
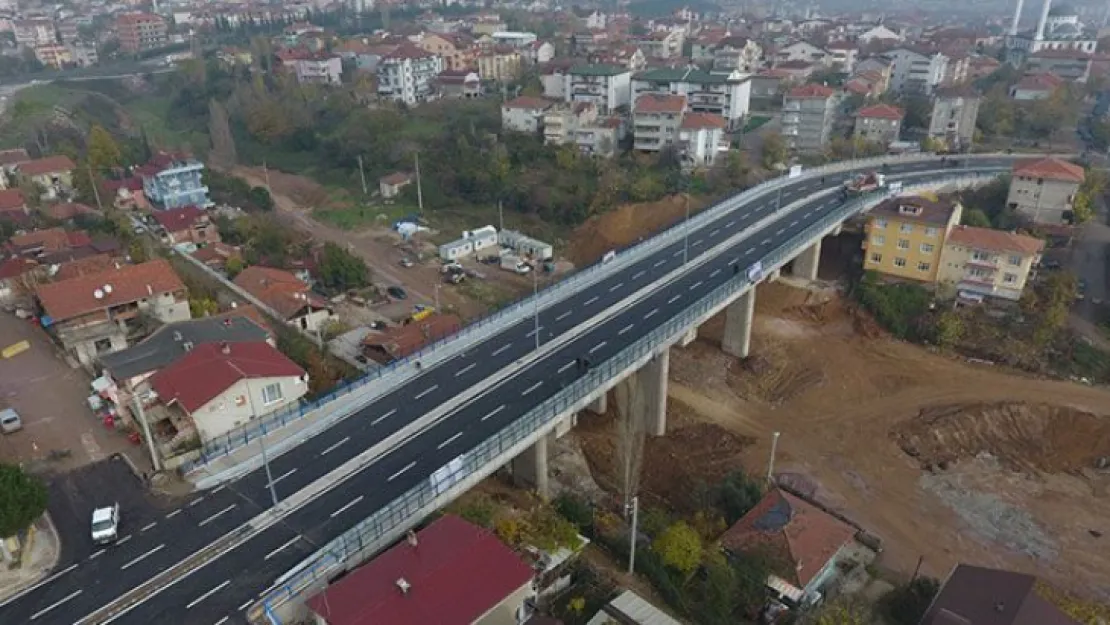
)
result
[(242, 401)]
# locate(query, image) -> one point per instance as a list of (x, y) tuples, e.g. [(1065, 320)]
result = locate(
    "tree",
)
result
[(223, 143), (234, 266), (976, 218), (773, 151), (202, 307), (103, 153), (680, 547), (22, 500), (736, 495), (932, 144), (906, 604), (949, 328), (918, 110), (340, 270), (137, 251), (840, 611)]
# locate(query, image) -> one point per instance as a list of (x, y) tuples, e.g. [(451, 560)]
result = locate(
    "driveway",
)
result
[(49, 396), (1089, 263)]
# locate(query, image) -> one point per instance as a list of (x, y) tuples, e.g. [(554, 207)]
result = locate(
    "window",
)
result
[(931, 232), (980, 256), (927, 248), (1010, 278), (876, 258), (923, 267), (878, 240), (271, 393), (899, 262), (1015, 261), (906, 228), (903, 244), (880, 223)]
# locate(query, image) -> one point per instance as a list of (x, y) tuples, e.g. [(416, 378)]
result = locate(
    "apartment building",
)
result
[(34, 32), (982, 263), (802, 51), (408, 75), (655, 121), (607, 87), (808, 113), (457, 51), (952, 121), (702, 139), (84, 54), (1070, 65), (661, 44), (174, 181), (737, 53), (524, 114), (843, 55), (727, 95), (318, 68), (139, 32), (560, 123), (1043, 189), (881, 123), (499, 64), (906, 235), (600, 138), (915, 72)]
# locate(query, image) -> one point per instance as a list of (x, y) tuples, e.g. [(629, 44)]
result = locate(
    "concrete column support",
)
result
[(653, 384), (737, 340), (530, 467), (774, 275), (836, 231), (599, 405), (689, 337), (806, 264)]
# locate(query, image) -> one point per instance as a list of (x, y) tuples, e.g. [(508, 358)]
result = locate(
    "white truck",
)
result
[(864, 183), (105, 524)]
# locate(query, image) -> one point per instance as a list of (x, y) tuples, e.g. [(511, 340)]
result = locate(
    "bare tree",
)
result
[(631, 406), (223, 144)]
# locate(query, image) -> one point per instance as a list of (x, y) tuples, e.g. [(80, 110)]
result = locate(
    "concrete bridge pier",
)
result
[(652, 383), (690, 336), (530, 467), (737, 340), (806, 264), (599, 405)]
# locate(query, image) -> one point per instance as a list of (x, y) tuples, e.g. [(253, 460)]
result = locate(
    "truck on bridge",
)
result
[(864, 183)]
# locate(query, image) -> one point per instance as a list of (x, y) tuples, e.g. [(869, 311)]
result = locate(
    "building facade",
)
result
[(988, 263), (906, 235), (499, 64), (725, 94), (881, 123), (524, 114), (607, 87), (1044, 189), (808, 113), (174, 182), (139, 32), (655, 121), (952, 121), (915, 72), (408, 75)]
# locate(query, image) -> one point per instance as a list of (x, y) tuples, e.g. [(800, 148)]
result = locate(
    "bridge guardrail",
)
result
[(407, 510), (521, 308)]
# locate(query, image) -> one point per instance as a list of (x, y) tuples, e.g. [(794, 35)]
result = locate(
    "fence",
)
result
[(385, 525), (483, 328)]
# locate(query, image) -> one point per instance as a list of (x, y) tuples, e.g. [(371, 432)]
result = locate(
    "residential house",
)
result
[(538, 52), (221, 386), (84, 54), (139, 32), (553, 77), (879, 35), (13, 207), (914, 72), (457, 50), (737, 53), (655, 120), (53, 174), (768, 86), (661, 44), (1043, 189), (102, 312), (524, 114), (217, 255), (982, 262), (66, 211), (602, 137), (319, 68), (702, 139), (463, 83), (808, 113), (1070, 65), (607, 87), (48, 242), (126, 194), (843, 56), (18, 278), (952, 120), (451, 567), (797, 71), (875, 69), (881, 123), (559, 123), (8, 160), (54, 55), (390, 186), (174, 181), (802, 51), (628, 608), (976, 595), (33, 32), (725, 94), (1036, 87), (408, 75), (487, 25), (511, 38), (397, 342), (187, 224), (906, 235), (981, 66), (499, 64), (805, 544), (290, 298)]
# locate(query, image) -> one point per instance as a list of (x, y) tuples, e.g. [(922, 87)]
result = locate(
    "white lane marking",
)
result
[(245, 605), (735, 261), (501, 350), (196, 501), (495, 411), (793, 223), (729, 224), (407, 467), (677, 253), (590, 301), (714, 232), (280, 549), (142, 557), (533, 331), (780, 230), (674, 299), (750, 251), (651, 314), (148, 526), (335, 446), (96, 555), (616, 286), (56, 604), (217, 515), (465, 369), (173, 514), (383, 417), (694, 285), (636, 276), (696, 243), (449, 441), (660, 263), (597, 347), (566, 366), (766, 242), (208, 594), (284, 475), (352, 503), (223, 620), (715, 272), (425, 392), (532, 388), (123, 540), (626, 328), (216, 490), (563, 316)]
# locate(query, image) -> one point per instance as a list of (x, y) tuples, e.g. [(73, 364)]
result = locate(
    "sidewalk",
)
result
[(45, 549)]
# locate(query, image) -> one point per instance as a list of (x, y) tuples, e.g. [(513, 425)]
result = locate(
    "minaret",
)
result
[(1017, 17), (1044, 20)]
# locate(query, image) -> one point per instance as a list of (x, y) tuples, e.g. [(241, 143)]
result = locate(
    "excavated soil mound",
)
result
[(624, 226), (770, 375), (1025, 437)]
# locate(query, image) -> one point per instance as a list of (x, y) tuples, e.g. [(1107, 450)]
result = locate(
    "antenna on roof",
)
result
[(404, 585)]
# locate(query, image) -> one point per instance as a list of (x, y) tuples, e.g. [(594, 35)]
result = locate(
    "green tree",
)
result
[(773, 151), (137, 251), (202, 307), (977, 218), (340, 270), (22, 499), (906, 604), (680, 547), (737, 494), (840, 611), (949, 328), (102, 152), (932, 144), (234, 266), (83, 183)]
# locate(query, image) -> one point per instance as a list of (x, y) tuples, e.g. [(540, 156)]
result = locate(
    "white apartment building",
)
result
[(34, 32), (320, 69), (914, 72), (727, 95), (737, 53), (702, 139), (808, 113), (802, 51), (408, 75), (605, 86), (524, 114), (1043, 189), (560, 123), (655, 120)]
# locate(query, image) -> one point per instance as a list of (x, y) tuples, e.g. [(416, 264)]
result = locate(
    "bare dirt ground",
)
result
[(624, 225), (944, 460)]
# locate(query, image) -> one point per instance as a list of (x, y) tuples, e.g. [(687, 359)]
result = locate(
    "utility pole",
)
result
[(437, 297), (632, 536), (500, 217), (266, 463), (686, 230), (155, 459), (362, 175), (96, 191), (536, 304), (771, 460), (266, 174), (419, 189)]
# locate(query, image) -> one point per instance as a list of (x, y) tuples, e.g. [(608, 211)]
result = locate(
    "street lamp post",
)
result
[(686, 228), (536, 304), (262, 443)]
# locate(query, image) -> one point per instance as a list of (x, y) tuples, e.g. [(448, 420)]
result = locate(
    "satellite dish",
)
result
[(108, 289), (98, 294)]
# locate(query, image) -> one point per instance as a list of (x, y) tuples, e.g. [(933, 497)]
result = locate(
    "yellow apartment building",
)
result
[(906, 235), (980, 262)]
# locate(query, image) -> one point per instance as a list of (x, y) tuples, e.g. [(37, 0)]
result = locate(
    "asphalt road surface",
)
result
[(224, 587)]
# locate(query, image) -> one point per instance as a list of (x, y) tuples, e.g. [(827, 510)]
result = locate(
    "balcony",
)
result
[(989, 265)]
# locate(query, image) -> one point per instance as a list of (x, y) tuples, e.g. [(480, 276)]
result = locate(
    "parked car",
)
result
[(406, 262), (397, 292), (105, 524), (10, 421)]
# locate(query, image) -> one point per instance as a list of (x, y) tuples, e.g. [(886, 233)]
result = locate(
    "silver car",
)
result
[(10, 421)]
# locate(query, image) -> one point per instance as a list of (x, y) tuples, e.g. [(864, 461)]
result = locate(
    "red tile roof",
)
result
[(211, 368), (15, 267), (13, 157), (396, 178), (48, 165), (50, 239), (995, 240), (810, 91), (11, 200), (1039, 82), (84, 266), (278, 289), (1051, 168), (527, 102), (129, 283), (409, 51), (696, 121), (857, 86), (178, 219), (67, 210), (660, 103), (802, 535), (881, 111), (400, 341), (456, 573)]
